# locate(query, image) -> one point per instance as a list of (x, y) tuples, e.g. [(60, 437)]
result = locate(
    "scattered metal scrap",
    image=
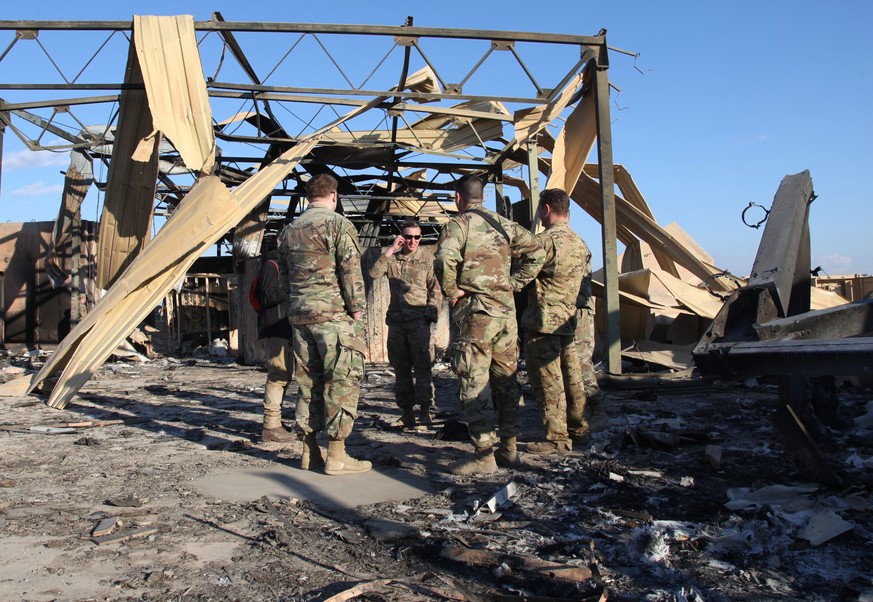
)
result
[(395, 142), (767, 328)]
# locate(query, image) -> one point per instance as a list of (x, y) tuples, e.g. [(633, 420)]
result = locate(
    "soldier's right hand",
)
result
[(398, 242)]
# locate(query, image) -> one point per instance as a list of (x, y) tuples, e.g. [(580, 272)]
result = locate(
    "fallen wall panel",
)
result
[(176, 89), (130, 187)]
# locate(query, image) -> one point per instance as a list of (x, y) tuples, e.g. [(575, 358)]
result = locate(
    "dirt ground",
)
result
[(642, 504)]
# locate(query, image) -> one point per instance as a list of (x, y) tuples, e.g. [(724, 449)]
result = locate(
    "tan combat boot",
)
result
[(507, 453), (550, 447), (277, 434), (406, 421), (311, 458), (339, 463), (482, 462)]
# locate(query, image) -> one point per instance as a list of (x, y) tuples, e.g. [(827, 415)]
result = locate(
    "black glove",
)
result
[(431, 313)]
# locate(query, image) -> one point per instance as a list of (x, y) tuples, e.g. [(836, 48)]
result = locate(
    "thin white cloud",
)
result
[(26, 159), (38, 188), (834, 263)]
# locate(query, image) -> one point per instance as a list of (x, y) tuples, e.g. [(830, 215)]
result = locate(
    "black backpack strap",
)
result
[(494, 223)]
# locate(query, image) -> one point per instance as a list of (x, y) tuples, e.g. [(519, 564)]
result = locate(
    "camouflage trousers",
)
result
[(555, 374), (280, 365), (330, 367), (408, 352), (485, 351), (585, 349)]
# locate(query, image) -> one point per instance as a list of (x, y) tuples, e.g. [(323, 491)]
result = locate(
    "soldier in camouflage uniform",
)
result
[(275, 332), (320, 263), (414, 306), (597, 418), (481, 260), (549, 323)]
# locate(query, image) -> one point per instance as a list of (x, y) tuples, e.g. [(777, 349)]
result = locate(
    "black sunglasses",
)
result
[(412, 236)]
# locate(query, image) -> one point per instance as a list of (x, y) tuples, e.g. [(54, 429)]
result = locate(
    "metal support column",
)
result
[(607, 202), (2, 134), (534, 175)]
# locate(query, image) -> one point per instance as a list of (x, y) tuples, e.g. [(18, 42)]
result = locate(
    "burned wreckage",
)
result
[(216, 127)]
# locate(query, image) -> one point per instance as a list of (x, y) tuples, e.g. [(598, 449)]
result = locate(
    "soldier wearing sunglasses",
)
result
[(414, 306)]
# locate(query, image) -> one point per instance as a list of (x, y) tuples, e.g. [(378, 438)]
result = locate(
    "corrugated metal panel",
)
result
[(176, 88), (125, 224)]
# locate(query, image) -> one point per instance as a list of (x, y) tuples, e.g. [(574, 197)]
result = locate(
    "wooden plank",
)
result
[(124, 536), (104, 527), (543, 568)]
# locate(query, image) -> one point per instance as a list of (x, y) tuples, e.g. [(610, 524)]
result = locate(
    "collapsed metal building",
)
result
[(209, 130), (200, 136)]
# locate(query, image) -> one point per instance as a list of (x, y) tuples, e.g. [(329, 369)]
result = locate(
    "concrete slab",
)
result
[(338, 492)]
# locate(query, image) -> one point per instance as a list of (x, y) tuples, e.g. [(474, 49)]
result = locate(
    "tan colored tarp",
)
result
[(675, 357), (822, 299), (176, 89), (125, 224), (632, 195), (424, 80), (439, 133)]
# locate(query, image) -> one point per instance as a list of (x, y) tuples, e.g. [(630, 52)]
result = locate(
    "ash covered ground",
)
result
[(646, 505)]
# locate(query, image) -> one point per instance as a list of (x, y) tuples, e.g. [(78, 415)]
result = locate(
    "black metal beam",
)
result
[(324, 28), (849, 320), (829, 357), (609, 228)]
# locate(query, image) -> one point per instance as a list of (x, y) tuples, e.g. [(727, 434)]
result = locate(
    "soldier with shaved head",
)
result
[(482, 259), (320, 263)]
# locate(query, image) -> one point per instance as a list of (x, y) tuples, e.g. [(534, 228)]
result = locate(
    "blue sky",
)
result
[(724, 101)]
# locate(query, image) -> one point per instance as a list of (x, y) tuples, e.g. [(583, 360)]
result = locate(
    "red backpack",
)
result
[(254, 297)]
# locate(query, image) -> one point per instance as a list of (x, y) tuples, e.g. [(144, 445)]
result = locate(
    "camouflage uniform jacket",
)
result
[(476, 258), (585, 299), (415, 292), (320, 263), (552, 305)]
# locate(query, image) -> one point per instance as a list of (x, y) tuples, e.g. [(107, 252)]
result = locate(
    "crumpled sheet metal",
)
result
[(79, 177), (574, 144), (528, 122), (176, 89), (125, 224), (206, 214)]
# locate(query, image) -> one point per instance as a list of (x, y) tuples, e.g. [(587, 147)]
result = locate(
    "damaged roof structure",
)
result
[(208, 135), (216, 140), (216, 126)]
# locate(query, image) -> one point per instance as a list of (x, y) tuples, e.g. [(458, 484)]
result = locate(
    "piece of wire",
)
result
[(764, 219), (724, 274)]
